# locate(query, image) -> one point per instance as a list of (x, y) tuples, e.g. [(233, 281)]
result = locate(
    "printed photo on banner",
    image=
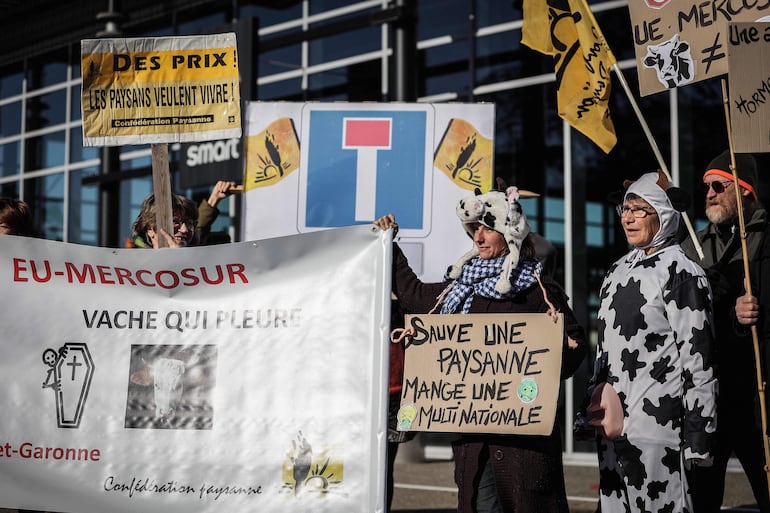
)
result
[(170, 386)]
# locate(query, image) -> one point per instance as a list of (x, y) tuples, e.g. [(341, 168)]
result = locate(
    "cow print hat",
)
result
[(667, 200), (501, 212)]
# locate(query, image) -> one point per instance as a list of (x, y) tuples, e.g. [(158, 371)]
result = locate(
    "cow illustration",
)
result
[(672, 62)]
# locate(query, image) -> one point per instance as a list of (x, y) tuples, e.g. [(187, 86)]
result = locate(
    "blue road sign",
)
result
[(360, 164)]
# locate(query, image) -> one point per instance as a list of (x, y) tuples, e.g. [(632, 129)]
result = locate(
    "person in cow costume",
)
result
[(653, 393), (497, 473)]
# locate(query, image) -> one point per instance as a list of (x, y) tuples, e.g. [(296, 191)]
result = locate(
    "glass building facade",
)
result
[(344, 50)]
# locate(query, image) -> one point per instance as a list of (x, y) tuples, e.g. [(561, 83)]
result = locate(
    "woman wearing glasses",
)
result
[(653, 394)]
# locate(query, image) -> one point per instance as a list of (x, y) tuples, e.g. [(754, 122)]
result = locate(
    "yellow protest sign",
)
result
[(160, 90), (481, 373)]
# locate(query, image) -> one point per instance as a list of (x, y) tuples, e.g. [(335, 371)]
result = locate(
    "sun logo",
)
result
[(465, 156), (305, 472), (271, 154), (272, 167), (463, 168)]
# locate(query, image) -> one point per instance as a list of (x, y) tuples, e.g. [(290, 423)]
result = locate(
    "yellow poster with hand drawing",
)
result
[(272, 153), (466, 156), (160, 90)]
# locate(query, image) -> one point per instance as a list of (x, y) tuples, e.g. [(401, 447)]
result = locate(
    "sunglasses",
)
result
[(717, 185)]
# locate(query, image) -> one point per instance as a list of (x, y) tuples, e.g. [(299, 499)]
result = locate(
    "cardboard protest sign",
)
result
[(749, 86), (678, 42), (160, 90), (481, 373), (241, 377)]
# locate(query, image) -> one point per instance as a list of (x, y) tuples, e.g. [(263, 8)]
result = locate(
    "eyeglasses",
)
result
[(637, 212), (189, 223), (718, 186)]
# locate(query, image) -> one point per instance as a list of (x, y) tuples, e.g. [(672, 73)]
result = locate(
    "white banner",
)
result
[(314, 166), (240, 377)]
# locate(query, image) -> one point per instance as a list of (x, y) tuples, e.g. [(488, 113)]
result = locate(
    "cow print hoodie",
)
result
[(655, 351)]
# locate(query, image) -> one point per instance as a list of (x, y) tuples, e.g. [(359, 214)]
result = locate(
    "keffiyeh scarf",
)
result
[(479, 276)]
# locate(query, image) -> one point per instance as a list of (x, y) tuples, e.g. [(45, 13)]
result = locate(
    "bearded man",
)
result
[(739, 426)]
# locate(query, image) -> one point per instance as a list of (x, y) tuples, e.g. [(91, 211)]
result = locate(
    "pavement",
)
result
[(427, 486)]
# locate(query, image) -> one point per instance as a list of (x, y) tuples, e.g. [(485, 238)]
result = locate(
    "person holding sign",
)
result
[(185, 217), (739, 429), (653, 393), (500, 274)]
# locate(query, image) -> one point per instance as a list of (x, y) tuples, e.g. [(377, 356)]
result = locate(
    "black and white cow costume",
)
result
[(655, 351)]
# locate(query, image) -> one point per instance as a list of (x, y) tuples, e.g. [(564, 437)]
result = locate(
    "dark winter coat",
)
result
[(723, 262), (528, 469)]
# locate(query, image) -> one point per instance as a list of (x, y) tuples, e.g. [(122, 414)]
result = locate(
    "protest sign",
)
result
[(481, 373), (160, 90), (749, 86), (678, 42), (314, 166), (243, 377)]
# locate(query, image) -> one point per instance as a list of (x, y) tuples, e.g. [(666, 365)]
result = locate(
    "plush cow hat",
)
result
[(501, 212)]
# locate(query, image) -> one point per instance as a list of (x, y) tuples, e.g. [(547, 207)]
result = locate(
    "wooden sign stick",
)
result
[(747, 281), (161, 182)]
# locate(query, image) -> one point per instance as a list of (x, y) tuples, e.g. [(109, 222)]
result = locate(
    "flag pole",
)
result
[(643, 122), (655, 150), (747, 280)]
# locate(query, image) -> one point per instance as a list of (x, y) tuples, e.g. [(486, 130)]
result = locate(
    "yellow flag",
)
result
[(271, 154), (465, 156), (567, 30)]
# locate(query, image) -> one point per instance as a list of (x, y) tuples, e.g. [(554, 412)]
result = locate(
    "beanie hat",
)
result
[(745, 167), (501, 212)]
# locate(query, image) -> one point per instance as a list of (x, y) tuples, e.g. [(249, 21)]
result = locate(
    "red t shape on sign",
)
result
[(367, 136)]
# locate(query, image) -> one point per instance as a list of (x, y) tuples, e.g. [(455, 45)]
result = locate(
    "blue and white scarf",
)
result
[(479, 276)]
